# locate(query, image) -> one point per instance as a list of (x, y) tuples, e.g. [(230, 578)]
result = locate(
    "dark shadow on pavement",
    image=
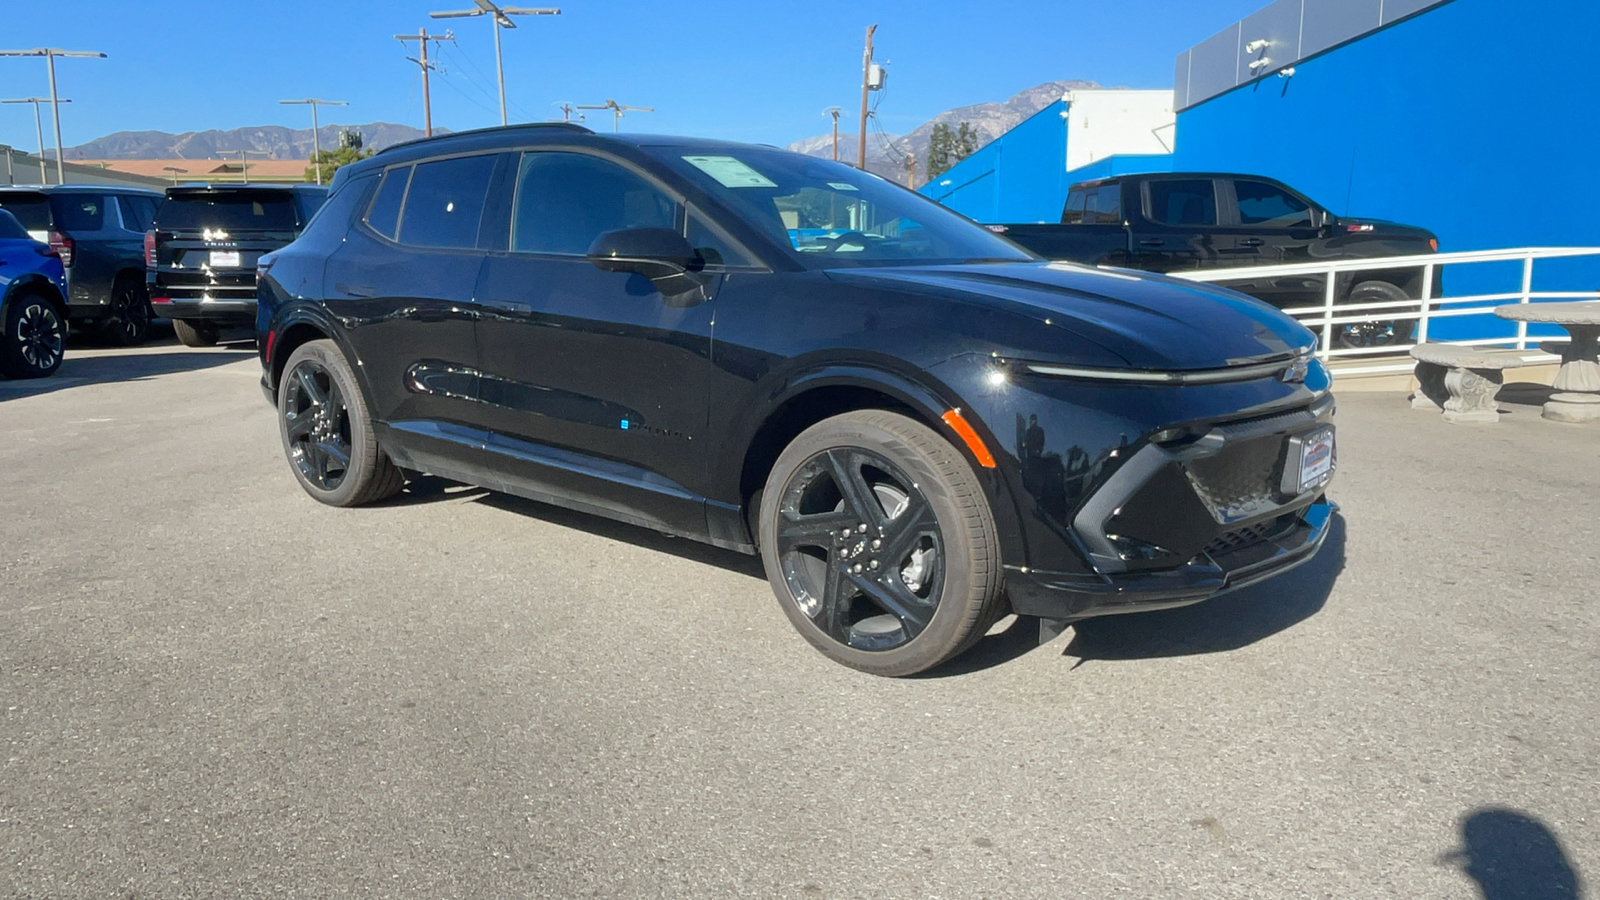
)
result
[(731, 560), (1514, 856), (1227, 623), (1525, 393), (422, 489), (1010, 639), (105, 366)]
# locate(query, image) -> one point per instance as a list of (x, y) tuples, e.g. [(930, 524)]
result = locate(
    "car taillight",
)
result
[(47, 250), (150, 248), (63, 247), (1433, 244)]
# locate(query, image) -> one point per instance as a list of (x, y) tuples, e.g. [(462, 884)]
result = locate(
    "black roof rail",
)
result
[(560, 126)]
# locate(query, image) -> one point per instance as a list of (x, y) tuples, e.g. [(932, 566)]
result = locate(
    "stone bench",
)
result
[(1463, 381)]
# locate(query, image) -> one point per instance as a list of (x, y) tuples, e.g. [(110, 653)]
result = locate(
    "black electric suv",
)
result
[(202, 250), (917, 425)]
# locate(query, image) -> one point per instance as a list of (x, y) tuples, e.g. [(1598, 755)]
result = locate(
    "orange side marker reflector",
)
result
[(974, 443)]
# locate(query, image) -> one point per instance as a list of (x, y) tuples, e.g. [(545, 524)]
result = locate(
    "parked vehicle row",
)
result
[(916, 424), (1198, 220)]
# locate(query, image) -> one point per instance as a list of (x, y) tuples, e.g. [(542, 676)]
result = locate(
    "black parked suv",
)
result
[(203, 249), (917, 425), (99, 232)]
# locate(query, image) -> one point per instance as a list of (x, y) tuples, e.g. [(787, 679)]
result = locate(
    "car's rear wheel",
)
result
[(128, 323), (195, 333), (35, 338), (1375, 334), (879, 543), (327, 431)]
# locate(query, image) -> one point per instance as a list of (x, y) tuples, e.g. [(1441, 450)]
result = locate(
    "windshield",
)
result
[(228, 210), (829, 215)]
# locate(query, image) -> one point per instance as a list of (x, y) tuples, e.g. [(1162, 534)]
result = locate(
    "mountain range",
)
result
[(886, 153), (275, 141)]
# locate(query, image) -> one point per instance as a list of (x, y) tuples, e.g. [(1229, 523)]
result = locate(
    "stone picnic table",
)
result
[(1577, 384)]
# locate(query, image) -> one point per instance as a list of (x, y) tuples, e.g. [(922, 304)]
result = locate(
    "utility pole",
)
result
[(616, 111), (422, 37), (244, 162), (834, 111), (50, 54), (866, 75), (316, 141), (500, 16), (38, 127), (911, 171), (566, 112), (175, 172)]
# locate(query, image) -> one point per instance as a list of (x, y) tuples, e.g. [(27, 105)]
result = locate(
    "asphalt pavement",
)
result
[(212, 686)]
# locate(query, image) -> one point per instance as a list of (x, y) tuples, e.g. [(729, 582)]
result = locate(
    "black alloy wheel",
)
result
[(35, 338), (129, 321), (1359, 335), (879, 543), (327, 433)]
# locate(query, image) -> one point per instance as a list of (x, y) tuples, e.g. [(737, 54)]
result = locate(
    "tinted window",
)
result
[(137, 212), (310, 202), (32, 210), (445, 202), (80, 212), (1105, 206), (1072, 214), (11, 229), (1264, 204), (228, 210), (566, 200), (713, 247), (340, 207), (384, 216), (1183, 202)]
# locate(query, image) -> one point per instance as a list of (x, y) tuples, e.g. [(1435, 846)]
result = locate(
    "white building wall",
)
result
[(1108, 123)]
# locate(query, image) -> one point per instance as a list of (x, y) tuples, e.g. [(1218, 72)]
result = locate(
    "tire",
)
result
[(917, 581), (327, 430), (35, 337), (1375, 334), (195, 333), (129, 321)]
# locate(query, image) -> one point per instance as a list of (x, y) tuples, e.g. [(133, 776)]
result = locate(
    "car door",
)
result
[(1176, 228), (93, 224), (594, 384), (402, 283), (1264, 224)]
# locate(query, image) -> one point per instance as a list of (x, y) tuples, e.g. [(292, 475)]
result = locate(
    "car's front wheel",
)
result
[(327, 431), (879, 543), (34, 340)]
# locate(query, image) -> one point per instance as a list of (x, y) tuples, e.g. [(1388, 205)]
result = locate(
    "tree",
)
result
[(964, 144), (947, 146), (329, 161)]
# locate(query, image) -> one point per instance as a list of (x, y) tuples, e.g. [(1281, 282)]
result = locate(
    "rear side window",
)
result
[(1183, 202), (340, 206), (32, 210), (137, 212), (228, 211), (444, 205), (80, 212), (1072, 213), (1105, 206), (1270, 206), (11, 229), (384, 216)]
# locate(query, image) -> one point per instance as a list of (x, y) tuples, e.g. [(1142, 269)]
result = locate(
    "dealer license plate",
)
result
[(224, 259), (1316, 458)]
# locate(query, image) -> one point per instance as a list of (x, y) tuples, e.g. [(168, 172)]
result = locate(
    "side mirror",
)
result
[(660, 254)]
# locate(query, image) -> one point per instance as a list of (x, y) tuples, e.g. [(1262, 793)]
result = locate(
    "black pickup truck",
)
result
[(1198, 220)]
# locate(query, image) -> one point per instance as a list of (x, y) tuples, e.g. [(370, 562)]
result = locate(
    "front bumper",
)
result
[(1066, 595)]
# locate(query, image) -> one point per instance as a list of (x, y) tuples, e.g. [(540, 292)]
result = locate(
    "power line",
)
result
[(499, 17)]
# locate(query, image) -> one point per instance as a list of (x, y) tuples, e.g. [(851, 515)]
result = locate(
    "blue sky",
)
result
[(751, 71)]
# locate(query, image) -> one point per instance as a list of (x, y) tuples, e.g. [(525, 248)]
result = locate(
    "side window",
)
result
[(1072, 213), (384, 216), (715, 249), (1105, 206), (335, 215), (1183, 202), (136, 212), (81, 212), (444, 205), (566, 200), (1264, 204)]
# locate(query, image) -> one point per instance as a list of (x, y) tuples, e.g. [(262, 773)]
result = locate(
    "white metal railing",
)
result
[(1324, 316)]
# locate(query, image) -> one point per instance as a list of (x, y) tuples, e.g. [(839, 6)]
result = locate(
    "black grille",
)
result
[(1241, 481), (1242, 538)]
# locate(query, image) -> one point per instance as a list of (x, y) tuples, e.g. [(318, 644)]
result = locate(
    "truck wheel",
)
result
[(195, 333), (327, 432), (129, 321), (34, 340), (879, 543), (1375, 334)]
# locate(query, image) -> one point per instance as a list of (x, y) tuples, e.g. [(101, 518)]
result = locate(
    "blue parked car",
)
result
[(33, 306)]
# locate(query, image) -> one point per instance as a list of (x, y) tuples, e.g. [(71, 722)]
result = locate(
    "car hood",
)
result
[(1143, 321)]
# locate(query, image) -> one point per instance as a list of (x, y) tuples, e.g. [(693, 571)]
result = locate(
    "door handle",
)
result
[(1150, 242), (1251, 242)]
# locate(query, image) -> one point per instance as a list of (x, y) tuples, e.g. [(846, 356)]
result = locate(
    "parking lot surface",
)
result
[(212, 686)]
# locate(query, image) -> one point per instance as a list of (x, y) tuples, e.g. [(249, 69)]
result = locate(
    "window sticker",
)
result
[(842, 186), (729, 172)]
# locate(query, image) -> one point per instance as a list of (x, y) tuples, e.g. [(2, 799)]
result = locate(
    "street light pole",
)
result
[(38, 128), (50, 54), (500, 16), (316, 140)]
